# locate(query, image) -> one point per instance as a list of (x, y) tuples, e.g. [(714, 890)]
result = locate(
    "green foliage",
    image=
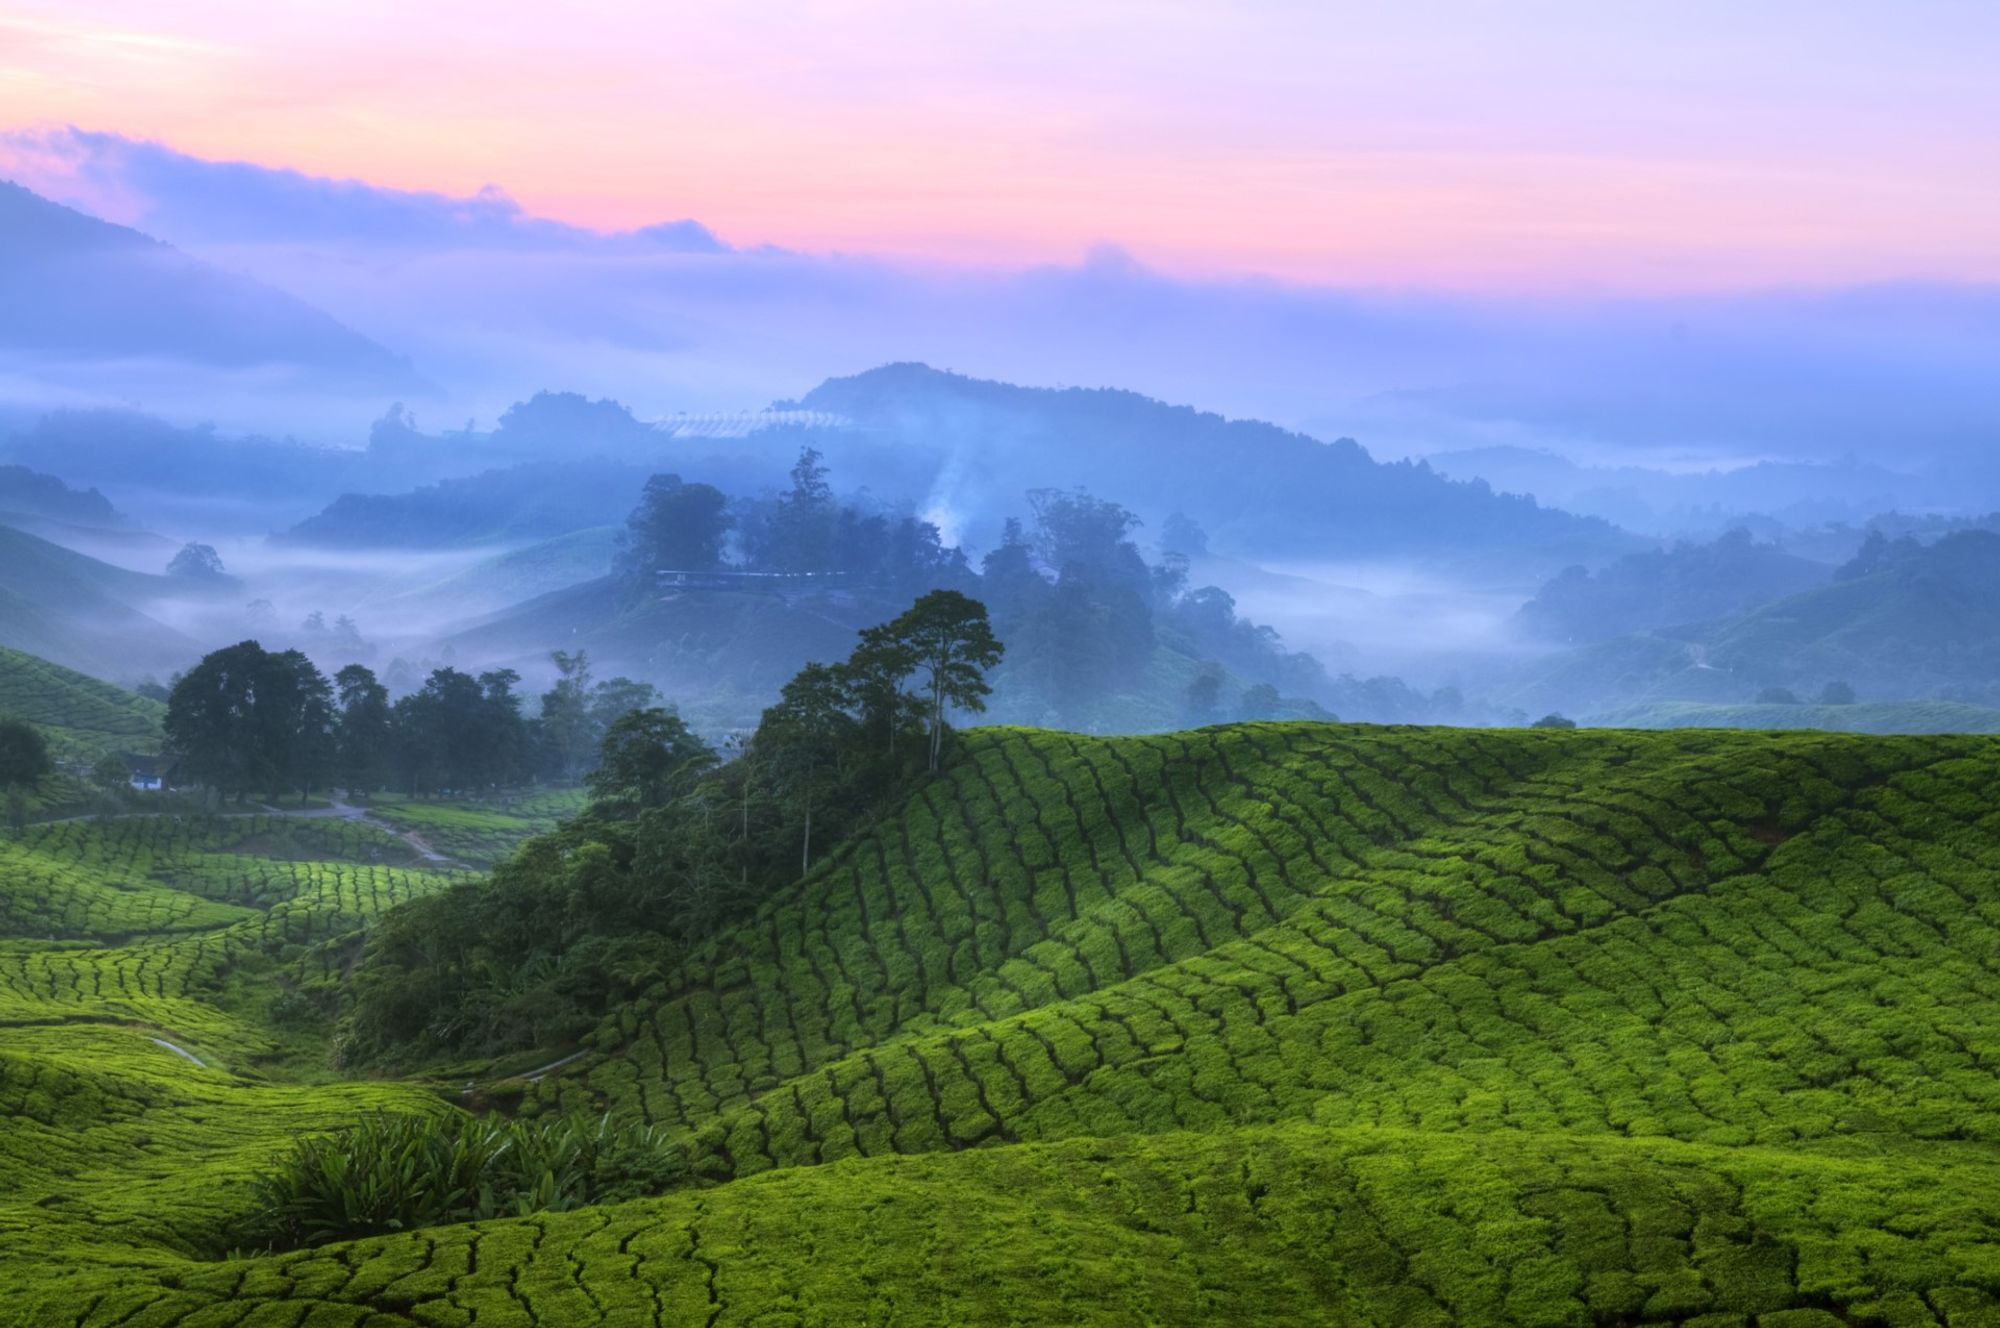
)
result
[(404, 1172), (1266, 1024), (82, 716), (24, 753)]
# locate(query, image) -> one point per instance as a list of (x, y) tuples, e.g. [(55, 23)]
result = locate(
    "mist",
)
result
[(488, 303)]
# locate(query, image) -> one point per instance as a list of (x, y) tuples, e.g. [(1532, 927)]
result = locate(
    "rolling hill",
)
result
[(1265, 1024), (77, 611), (82, 716), (1258, 489), (1926, 616), (1917, 622), (73, 288)]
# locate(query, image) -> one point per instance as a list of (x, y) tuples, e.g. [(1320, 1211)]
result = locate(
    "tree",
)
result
[(1203, 693), (1777, 696), (1553, 721), (649, 758), (803, 528), (1260, 701), (295, 722), (1837, 693), (213, 722), (363, 736), (805, 737), (444, 733), (24, 758), (197, 562), (566, 713), (675, 527), (1181, 534), (951, 642), (874, 674), (614, 698), (504, 754)]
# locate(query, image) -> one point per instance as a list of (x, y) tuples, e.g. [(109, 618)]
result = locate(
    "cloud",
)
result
[(493, 303), (196, 202)]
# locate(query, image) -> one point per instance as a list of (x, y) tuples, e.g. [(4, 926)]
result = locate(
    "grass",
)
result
[(478, 832), (1271, 1024), (82, 717)]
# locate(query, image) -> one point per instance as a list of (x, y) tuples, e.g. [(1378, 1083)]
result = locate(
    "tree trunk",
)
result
[(805, 849)]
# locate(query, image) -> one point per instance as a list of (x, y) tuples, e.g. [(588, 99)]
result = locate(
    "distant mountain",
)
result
[(73, 288), (25, 492), (79, 612), (1791, 493), (1917, 618), (1903, 621), (1690, 583), (526, 502), (1257, 488)]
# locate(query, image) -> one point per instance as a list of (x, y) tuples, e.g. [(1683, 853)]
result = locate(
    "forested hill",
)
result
[(1260, 1024), (1255, 487)]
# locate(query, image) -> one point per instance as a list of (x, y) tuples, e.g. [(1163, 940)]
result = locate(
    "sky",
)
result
[(1565, 146)]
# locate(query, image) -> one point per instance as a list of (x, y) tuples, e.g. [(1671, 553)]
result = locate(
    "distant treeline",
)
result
[(249, 720), (1082, 612)]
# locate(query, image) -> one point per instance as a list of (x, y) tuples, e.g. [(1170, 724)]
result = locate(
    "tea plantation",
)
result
[(1264, 1024), (81, 716)]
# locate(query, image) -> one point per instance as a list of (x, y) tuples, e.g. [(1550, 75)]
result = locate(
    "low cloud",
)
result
[(493, 303)]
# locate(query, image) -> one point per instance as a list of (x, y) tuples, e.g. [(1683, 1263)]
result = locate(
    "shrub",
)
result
[(400, 1172)]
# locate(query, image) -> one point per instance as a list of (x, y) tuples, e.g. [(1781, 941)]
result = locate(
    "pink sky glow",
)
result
[(1527, 145)]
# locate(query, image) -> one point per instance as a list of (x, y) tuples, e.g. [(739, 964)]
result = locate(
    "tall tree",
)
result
[(804, 527), (566, 719), (295, 722), (676, 526), (875, 674), (363, 736), (197, 562), (649, 757), (615, 698), (212, 720), (952, 644), (804, 739)]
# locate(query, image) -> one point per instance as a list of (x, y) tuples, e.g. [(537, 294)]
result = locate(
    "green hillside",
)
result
[(82, 716), (1270, 1024)]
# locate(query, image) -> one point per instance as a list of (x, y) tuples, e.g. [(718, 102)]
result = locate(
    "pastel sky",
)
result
[(1650, 145)]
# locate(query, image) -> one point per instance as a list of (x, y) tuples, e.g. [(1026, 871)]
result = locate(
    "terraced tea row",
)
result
[(1272, 1023), (1303, 874), (1277, 1226)]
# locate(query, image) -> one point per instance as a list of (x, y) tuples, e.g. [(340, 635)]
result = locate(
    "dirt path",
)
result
[(338, 811), (347, 811)]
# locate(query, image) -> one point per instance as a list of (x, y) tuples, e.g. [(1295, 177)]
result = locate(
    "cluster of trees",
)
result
[(675, 842), (685, 526), (249, 720), (1083, 614)]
